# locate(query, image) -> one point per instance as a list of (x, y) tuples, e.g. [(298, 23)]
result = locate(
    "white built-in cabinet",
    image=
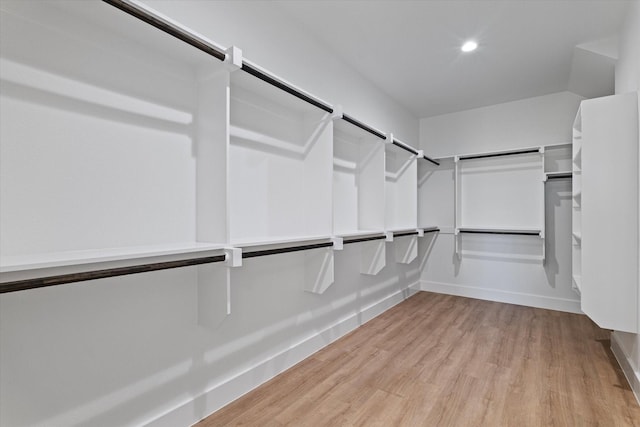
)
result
[(121, 145), (605, 210)]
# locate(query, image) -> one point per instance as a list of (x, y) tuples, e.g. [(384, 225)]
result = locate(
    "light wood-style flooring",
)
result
[(440, 360)]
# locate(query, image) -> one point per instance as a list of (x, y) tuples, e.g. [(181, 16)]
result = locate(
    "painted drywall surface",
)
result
[(529, 122), (272, 40), (129, 350), (505, 268), (628, 80)]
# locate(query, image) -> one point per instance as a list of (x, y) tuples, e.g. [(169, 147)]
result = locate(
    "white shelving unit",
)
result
[(435, 195), (500, 193), (576, 210), (401, 182), (90, 131), (358, 203), (606, 210), (557, 159), (358, 176), (280, 159), (124, 146)]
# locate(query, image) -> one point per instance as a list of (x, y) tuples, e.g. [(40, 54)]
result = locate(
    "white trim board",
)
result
[(498, 295), (633, 377), (201, 406)]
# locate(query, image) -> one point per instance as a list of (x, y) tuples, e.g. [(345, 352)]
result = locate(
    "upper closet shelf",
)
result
[(36, 271), (202, 44), (77, 258), (247, 244), (363, 236)]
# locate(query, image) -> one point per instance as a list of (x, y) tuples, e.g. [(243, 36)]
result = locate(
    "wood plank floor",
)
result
[(440, 360)]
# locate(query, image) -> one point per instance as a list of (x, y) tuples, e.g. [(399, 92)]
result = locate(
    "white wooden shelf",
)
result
[(280, 164), (107, 132), (362, 233), (255, 163), (576, 213), (76, 258), (278, 242)]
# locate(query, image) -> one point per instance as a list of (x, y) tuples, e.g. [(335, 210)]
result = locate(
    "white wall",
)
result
[(501, 268), (129, 351), (529, 122), (628, 80), (274, 41)]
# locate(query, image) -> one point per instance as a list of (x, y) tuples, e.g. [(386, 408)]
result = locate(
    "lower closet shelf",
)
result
[(50, 269)]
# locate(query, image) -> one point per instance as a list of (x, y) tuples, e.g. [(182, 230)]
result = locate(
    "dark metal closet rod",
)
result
[(196, 42), (560, 176), (519, 233), (208, 48), (435, 162), (404, 146), (413, 151), (248, 68), (364, 127), (510, 153), (405, 233), (167, 27), (265, 252), (364, 239), (41, 282)]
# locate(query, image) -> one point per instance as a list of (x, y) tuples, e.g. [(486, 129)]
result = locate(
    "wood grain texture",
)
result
[(441, 360)]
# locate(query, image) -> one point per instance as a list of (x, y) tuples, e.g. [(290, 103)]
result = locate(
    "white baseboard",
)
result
[(498, 295), (207, 403), (632, 376)]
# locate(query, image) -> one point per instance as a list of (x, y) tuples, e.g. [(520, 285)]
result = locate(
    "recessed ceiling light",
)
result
[(469, 46)]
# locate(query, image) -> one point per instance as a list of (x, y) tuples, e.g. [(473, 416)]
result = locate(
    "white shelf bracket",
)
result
[(233, 257), (337, 112), (388, 236), (420, 232), (389, 139), (233, 59), (338, 243)]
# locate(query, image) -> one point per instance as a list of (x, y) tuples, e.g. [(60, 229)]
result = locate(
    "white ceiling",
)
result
[(411, 49)]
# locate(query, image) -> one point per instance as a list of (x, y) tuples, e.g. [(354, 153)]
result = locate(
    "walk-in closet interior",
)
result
[(196, 196)]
